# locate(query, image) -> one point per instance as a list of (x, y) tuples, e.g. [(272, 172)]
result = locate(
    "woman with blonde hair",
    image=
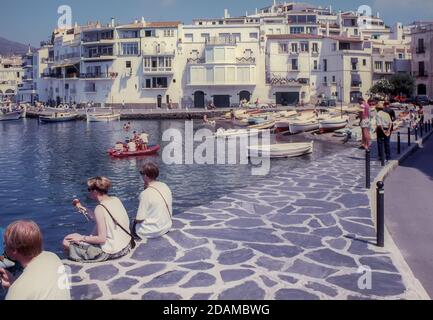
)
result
[(111, 237)]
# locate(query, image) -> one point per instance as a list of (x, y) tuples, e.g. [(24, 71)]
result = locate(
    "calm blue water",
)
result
[(43, 167)]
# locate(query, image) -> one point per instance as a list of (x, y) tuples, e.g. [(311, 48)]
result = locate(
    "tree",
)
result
[(403, 83), (382, 88)]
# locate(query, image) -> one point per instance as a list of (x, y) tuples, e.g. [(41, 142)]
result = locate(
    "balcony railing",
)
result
[(356, 84), (195, 60), (108, 75), (47, 60), (158, 69), (420, 74), (420, 50), (220, 41), (86, 40), (98, 55), (279, 80)]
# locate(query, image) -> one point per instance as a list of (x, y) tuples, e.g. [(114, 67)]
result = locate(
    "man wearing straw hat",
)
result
[(383, 131)]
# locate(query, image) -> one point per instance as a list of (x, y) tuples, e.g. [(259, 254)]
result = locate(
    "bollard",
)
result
[(398, 143), (367, 169), (408, 136), (380, 214)]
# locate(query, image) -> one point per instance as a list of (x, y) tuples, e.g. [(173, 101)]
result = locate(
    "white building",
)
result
[(422, 58), (285, 54), (11, 76)]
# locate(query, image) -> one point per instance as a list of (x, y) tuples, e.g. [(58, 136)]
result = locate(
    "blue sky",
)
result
[(26, 22)]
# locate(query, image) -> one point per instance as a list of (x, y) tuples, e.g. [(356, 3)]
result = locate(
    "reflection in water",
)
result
[(43, 167)]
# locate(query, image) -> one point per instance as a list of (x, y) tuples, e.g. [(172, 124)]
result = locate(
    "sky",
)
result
[(24, 21)]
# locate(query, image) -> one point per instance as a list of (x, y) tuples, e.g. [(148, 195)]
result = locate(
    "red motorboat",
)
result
[(150, 150)]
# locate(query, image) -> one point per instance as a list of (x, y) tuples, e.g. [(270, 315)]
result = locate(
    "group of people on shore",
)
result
[(112, 238), (385, 118)]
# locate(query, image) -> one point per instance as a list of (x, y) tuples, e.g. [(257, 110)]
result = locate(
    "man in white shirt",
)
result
[(44, 276), (132, 147), (154, 215), (383, 130)]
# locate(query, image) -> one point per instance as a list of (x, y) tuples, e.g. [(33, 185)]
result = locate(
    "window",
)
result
[(294, 47), (334, 47), (169, 33), (159, 82), (254, 35), (354, 65), (355, 32), (283, 48), (209, 75), (364, 62), (296, 30), (205, 37), (333, 79), (148, 33), (315, 65), (311, 30), (378, 65), (294, 64), (315, 47), (189, 37), (325, 65), (325, 80), (304, 47), (244, 75), (237, 37), (271, 31), (220, 74), (400, 55), (148, 83), (388, 66), (278, 31), (128, 64), (129, 49), (90, 87)]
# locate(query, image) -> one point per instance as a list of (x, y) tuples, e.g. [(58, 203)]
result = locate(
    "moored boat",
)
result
[(262, 126), (333, 123), (103, 117), (284, 150), (58, 117), (150, 150), (10, 115), (222, 133), (298, 126)]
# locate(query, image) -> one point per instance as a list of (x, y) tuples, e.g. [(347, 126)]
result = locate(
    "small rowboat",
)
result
[(264, 125), (285, 150), (221, 133), (303, 126), (151, 150), (332, 124), (103, 117), (58, 117), (6, 116)]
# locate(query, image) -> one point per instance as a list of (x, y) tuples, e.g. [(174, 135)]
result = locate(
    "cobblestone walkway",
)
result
[(300, 235)]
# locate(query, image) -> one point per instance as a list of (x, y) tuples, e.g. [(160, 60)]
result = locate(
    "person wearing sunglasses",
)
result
[(154, 215), (111, 238), (44, 276)]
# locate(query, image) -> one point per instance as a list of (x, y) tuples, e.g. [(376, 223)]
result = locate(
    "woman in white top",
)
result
[(111, 237), (154, 215)]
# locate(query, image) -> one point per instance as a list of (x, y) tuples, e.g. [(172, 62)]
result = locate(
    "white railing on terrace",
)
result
[(221, 40)]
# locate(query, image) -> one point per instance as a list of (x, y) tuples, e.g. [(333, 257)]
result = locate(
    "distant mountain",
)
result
[(8, 47)]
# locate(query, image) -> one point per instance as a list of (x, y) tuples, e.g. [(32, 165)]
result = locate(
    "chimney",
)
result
[(330, 9), (142, 20), (257, 11), (378, 15), (226, 14), (113, 22)]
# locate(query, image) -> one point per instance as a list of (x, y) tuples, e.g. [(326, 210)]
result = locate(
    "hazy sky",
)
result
[(25, 21)]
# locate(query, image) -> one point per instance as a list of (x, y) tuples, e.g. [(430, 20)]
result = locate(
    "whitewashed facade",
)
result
[(285, 53)]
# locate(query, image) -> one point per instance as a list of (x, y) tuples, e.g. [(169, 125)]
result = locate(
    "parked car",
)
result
[(327, 103), (422, 100)]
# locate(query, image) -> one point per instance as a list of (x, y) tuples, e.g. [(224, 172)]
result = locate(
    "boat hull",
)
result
[(151, 150), (15, 115), (303, 127), (331, 125), (287, 150), (60, 119), (103, 118)]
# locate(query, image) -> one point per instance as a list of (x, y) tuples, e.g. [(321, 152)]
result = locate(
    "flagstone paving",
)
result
[(300, 235)]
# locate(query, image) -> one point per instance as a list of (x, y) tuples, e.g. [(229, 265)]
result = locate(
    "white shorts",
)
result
[(365, 123)]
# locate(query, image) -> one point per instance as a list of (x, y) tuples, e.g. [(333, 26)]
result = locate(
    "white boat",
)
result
[(58, 117), (303, 125), (333, 123), (6, 115), (284, 150), (262, 126), (222, 133), (105, 117)]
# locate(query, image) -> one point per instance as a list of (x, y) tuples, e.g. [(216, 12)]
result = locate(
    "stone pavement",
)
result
[(301, 234)]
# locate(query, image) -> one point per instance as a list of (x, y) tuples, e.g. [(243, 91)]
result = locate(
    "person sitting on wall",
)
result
[(154, 215), (111, 238), (44, 276)]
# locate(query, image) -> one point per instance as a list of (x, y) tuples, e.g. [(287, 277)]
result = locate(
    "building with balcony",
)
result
[(11, 76), (422, 58), (285, 53)]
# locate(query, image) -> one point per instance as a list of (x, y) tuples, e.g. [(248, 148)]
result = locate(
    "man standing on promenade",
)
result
[(364, 116), (44, 276), (383, 131)]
